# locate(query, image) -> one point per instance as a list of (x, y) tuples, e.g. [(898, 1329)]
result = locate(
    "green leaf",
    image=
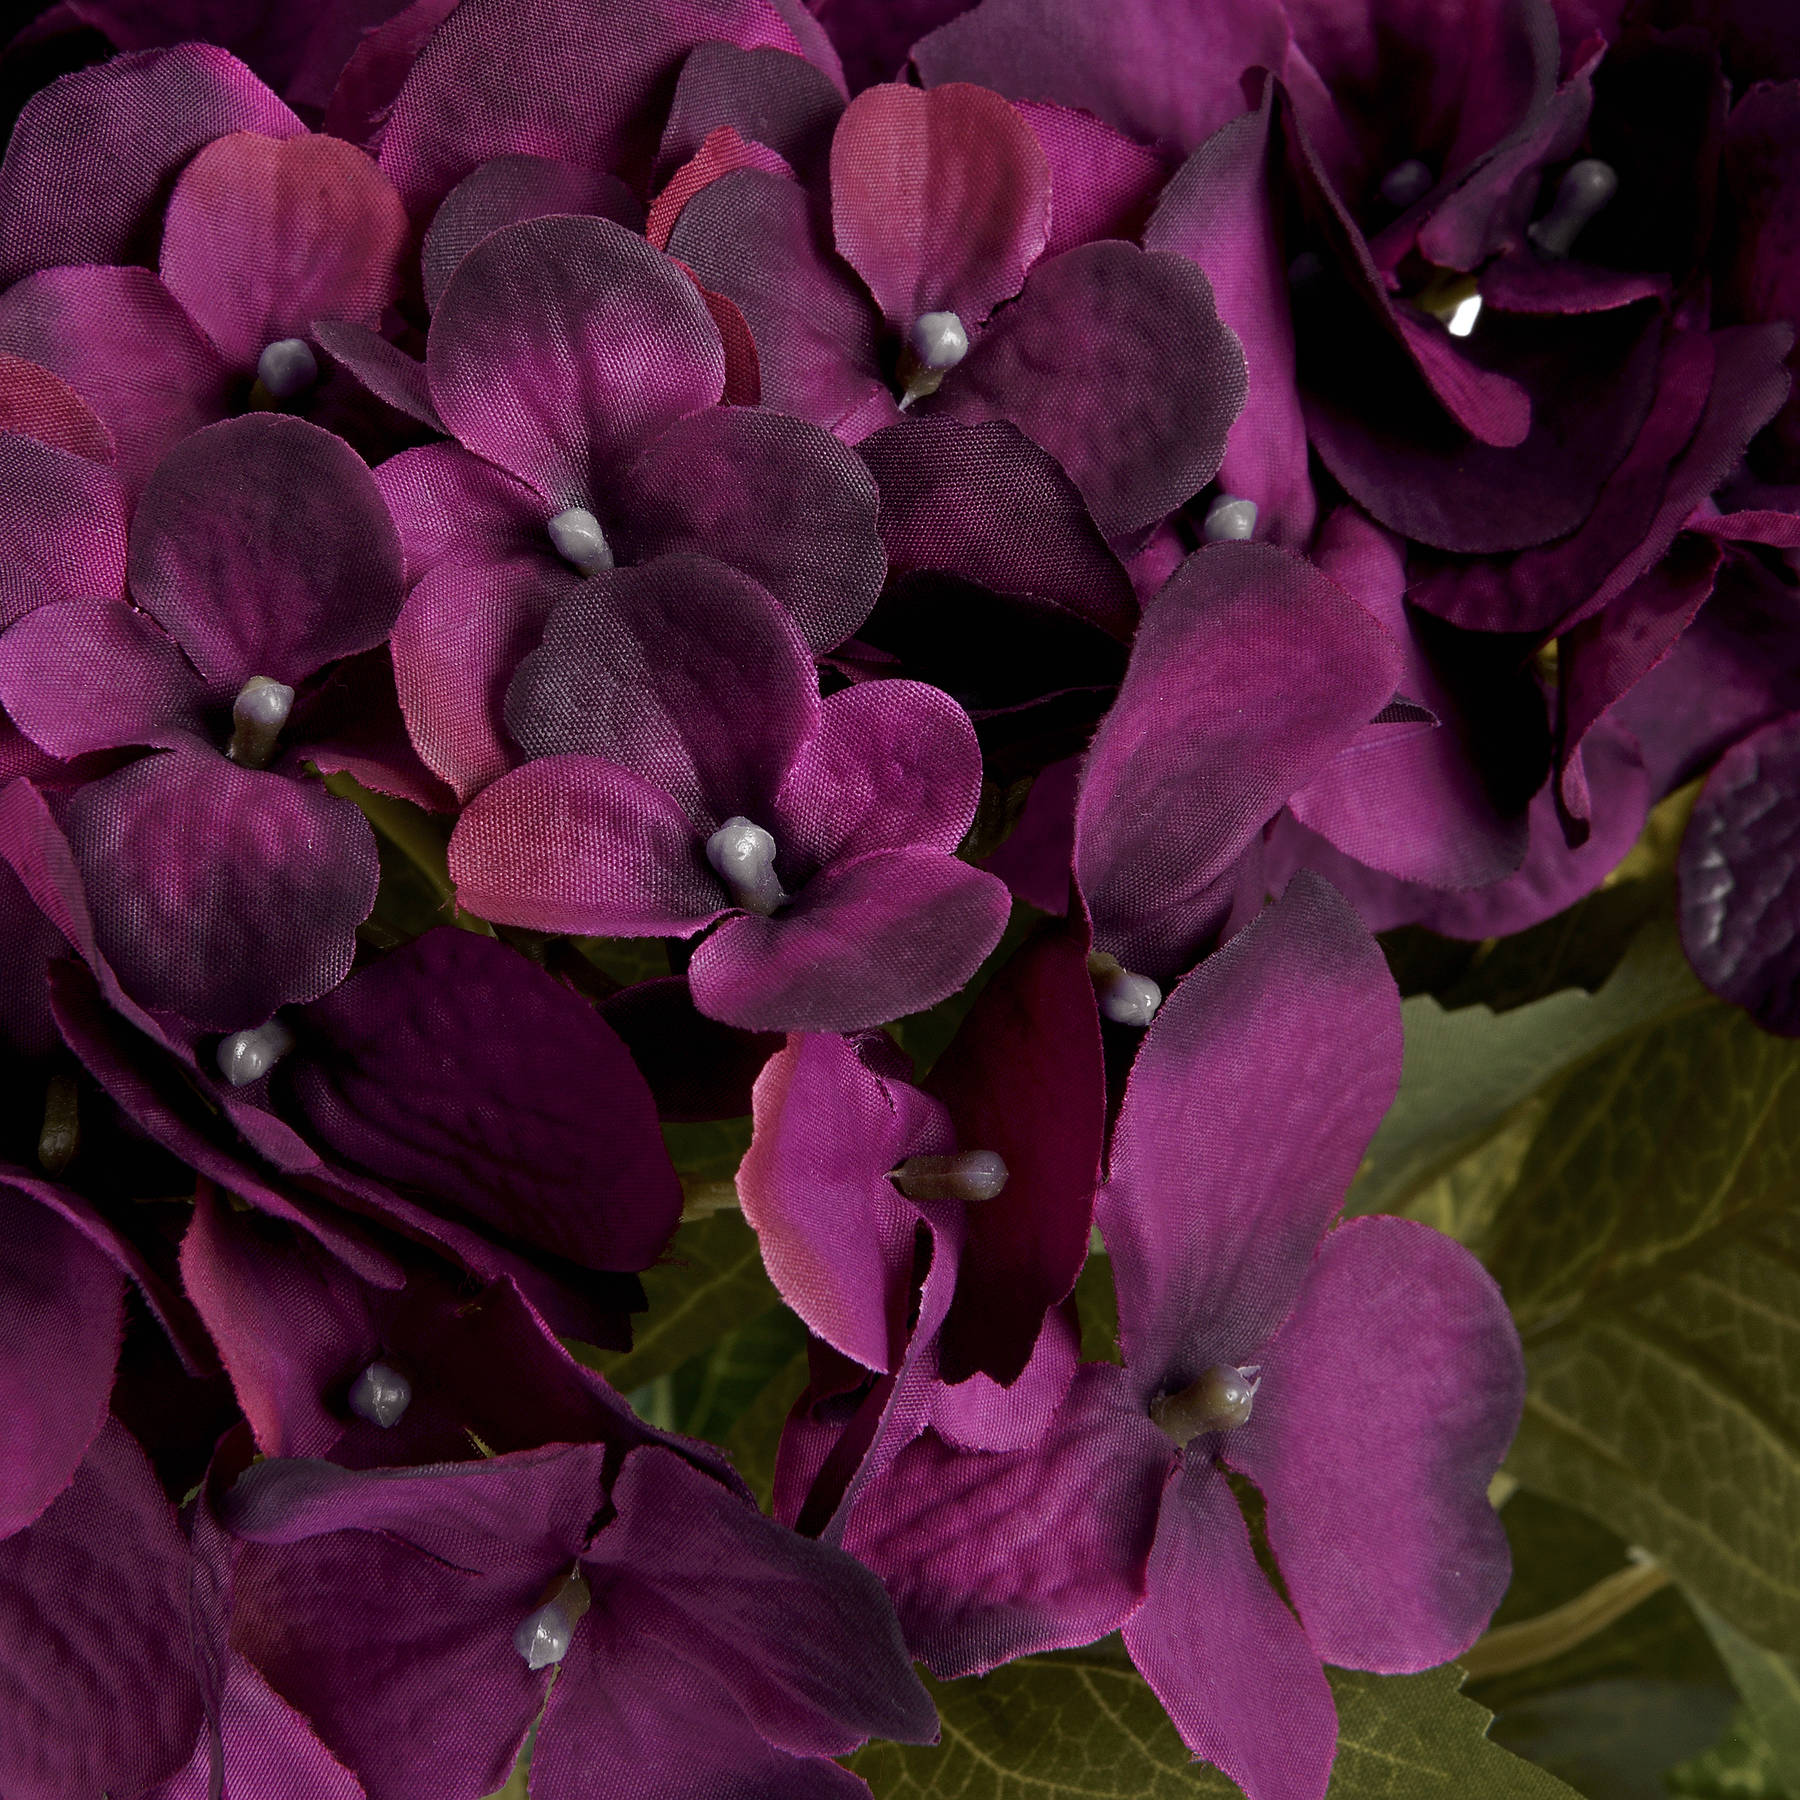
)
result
[(1770, 1686), (1651, 1254), (711, 1391), (1741, 1766), (1083, 1723)]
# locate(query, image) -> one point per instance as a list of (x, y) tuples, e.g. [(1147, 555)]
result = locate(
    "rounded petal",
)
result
[(576, 844), (62, 527), (782, 101), (1384, 1406), (940, 201), (264, 235), (36, 404), (562, 347), (450, 506), (264, 547), (1116, 362), (865, 941), (222, 893)]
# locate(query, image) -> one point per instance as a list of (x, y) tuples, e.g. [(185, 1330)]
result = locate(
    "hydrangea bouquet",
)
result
[(900, 896)]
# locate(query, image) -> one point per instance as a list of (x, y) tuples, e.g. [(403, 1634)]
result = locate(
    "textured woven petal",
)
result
[(36, 404), (62, 527), (1102, 183), (784, 102)]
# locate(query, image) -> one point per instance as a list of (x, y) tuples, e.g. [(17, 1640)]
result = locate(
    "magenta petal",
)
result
[(91, 155), (222, 893), (865, 941), (1258, 1087), (893, 765), (776, 497), (1740, 873), (262, 237), (80, 675), (60, 1301), (508, 191), (1226, 1658), (562, 347), (36, 404), (993, 1555), (940, 201), (120, 339), (836, 1235), (101, 1701), (1396, 1560), (264, 547), (1116, 362), (767, 96), (576, 844), (62, 527), (457, 1067), (723, 153), (450, 506), (1103, 183), (1272, 670)]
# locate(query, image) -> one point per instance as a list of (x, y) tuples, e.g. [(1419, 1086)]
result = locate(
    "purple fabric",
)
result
[(697, 1067), (36, 404), (370, 80), (62, 527), (767, 96), (1102, 183), (383, 368)]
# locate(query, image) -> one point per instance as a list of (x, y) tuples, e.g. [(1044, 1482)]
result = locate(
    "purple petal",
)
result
[(994, 1555), (449, 506), (696, 1067), (92, 154), (369, 82), (753, 238), (120, 339), (980, 1414), (563, 347), (776, 497), (1160, 70), (30, 942), (1259, 1085), (1263, 702), (724, 153), (1226, 1658), (265, 548), (99, 1699), (222, 893), (383, 368), (836, 1235), (781, 101), (81, 675), (681, 670), (62, 527), (262, 237), (1396, 1560), (1038, 859), (1740, 873), (61, 1302), (865, 941), (1115, 361), (36, 404), (577, 844), (1103, 183), (456, 1066)]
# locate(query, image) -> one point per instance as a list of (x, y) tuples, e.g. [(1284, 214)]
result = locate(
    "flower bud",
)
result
[(381, 1395), (580, 542), (971, 1175)]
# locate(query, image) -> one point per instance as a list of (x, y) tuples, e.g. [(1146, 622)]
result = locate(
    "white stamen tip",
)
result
[(1406, 182), (743, 857), (287, 367), (938, 340), (1125, 998), (580, 542), (257, 716), (1221, 1400), (1462, 321), (381, 1395), (247, 1056), (1585, 189), (971, 1176), (543, 1637), (1229, 518)]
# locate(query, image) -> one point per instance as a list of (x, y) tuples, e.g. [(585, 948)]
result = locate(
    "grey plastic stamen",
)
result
[(287, 367), (258, 713), (971, 1175), (381, 1395), (1585, 190), (743, 857), (580, 542), (1229, 518), (1221, 1400), (247, 1056)]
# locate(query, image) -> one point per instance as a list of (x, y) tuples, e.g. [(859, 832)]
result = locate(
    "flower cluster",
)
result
[(1070, 515)]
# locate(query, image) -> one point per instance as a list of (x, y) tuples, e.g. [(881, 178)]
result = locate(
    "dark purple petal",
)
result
[(1103, 184), (1228, 1661), (776, 497), (681, 670), (383, 368), (563, 347), (28, 942), (264, 547), (92, 155), (1740, 875), (1395, 1561), (36, 404), (767, 96), (577, 844), (696, 1067), (724, 153), (262, 237), (993, 1555), (62, 527), (1270, 670), (1115, 361), (865, 941), (80, 675), (1258, 1087), (1037, 860), (370, 80), (222, 893), (455, 1066), (450, 506), (120, 339)]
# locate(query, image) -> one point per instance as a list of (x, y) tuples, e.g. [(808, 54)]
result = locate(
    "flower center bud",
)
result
[(543, 1637), (381, 1395), (938, 340), (1406, 182), (1585, 189), (1229, 517), (60, 1136), (743, 857), (247, 1056), (1125, 998), (1219, 1401), (972, 1175), (580, 542), (257, 716), (287, 367)]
